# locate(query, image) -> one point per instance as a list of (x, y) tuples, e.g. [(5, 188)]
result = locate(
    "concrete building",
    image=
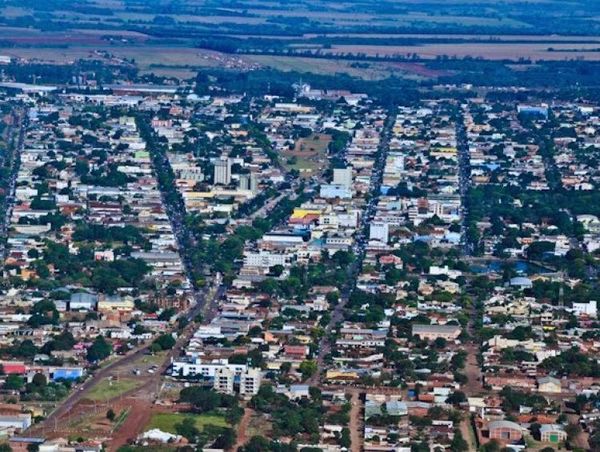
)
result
[(589, 309), (250, 382), (505, 431), (379, 231), (244, 182), (552, 433), (254, 183), (222, 175), (335, 191), (265, 259), (432, 332), (223, 382), (343, 177)]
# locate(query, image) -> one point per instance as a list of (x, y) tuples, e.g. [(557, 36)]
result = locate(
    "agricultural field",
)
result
[(490, 51), (358, 38)]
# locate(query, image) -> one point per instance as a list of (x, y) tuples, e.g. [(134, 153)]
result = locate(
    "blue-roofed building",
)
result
[(67, 373)]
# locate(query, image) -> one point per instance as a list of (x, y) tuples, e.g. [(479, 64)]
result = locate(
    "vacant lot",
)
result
[(309, 157), (167, 421), (109, 389)]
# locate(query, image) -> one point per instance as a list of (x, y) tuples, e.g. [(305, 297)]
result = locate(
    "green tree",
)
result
[(345, 439), (458, 443), (165, 342), (308, 368), (99, 350), (14, 382), (187, 428)]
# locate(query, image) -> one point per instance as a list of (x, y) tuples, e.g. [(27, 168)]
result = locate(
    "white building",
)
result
[(205, 370), (223, 380), (265, 259), (590, 309), (343, 177), (222, 175), (379, 231), (335, 191), (250, 382)]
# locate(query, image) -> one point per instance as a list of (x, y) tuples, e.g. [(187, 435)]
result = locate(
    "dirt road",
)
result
[(242, 429), (356, 422)]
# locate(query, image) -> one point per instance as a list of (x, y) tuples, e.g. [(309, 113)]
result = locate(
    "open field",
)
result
[(109, 389), (170, 61), (167, 421), (309, 156), (322, 66)]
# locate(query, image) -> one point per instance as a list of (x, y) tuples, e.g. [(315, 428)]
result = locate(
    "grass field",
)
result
[(309, 155), (167, 421), (366, 71), (108, 389)]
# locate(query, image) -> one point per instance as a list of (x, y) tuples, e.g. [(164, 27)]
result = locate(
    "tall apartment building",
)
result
[(222, 175), (223, 382), (250, 382), (253, 182)]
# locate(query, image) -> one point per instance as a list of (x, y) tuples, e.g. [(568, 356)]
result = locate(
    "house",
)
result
[(19, 421), (552, 433), (506, 431), (432, 332), (83, 301), (297, 352), (549, 385), (521, 282), (10, 368)]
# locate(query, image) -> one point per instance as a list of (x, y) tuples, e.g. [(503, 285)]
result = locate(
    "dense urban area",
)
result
[(397, 253)]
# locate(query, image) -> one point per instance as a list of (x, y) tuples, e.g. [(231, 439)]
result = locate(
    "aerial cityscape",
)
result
[(318, 226)]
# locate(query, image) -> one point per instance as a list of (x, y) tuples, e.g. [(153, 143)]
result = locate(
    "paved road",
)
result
[(113, 369), (15, 139), (354, 269), (206, 303), (464, 179)]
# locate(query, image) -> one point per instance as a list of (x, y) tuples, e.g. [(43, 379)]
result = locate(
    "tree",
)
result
[(458, 443), (226, 440), (256, 444), (187, 428), (202, 399), (164, 342), (110, 415), (491, 446), (99, 350), (39, 380), (345, 439), (14, 382), (456, 398), (308, 368)]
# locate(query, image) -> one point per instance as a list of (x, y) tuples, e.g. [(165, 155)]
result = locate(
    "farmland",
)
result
[(492, 51), (357, 38)]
